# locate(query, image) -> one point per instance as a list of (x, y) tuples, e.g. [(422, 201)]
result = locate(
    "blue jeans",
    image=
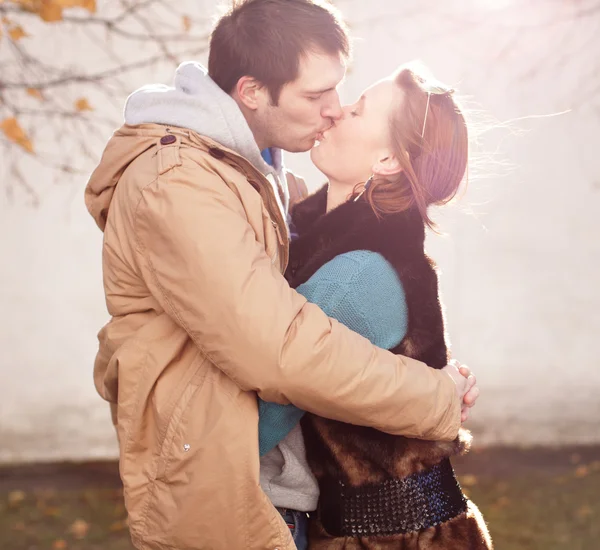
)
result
[(298, 524)]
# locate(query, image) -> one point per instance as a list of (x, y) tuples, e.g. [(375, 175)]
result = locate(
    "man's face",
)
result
[(307, 106)]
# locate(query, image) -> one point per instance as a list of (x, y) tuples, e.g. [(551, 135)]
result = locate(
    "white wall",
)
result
[(519, 262)]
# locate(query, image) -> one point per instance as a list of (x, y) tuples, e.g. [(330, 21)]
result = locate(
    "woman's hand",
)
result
[(466, 386)]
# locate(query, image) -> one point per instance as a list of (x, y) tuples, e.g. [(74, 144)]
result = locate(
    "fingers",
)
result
[(471, 396), (464, 414)]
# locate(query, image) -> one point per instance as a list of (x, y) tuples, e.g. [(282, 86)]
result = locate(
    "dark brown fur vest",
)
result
[(367, 473)]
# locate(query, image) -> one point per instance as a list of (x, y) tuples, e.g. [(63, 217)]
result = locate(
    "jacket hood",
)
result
[(123, 148)]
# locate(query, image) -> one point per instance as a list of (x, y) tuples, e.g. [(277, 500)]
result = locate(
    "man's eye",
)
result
[(354, 113), (314, 97)]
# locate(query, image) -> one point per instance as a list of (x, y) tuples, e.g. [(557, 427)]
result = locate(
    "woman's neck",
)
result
[(337, 193)]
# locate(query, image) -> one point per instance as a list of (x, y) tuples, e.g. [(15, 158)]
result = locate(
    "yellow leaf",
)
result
[(584, 512), (83, 104), (59, 544), (187, 23), (50, 11), (13, 131), (468, 480), (34, 92), (89, 5), (118, 526), (79, 528), (16, 33), (51, 511), (15, 497)]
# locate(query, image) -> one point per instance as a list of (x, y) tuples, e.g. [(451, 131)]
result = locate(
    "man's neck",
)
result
[(260, 139)]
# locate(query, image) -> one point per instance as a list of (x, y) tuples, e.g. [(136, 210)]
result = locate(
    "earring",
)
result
[(367, 185)]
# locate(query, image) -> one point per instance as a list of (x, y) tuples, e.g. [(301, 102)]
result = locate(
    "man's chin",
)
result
[(299, 147)]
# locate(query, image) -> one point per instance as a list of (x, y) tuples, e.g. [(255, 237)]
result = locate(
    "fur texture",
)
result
[(359, 455)]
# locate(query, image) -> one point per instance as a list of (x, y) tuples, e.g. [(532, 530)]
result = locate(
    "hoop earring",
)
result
[(367, 185)]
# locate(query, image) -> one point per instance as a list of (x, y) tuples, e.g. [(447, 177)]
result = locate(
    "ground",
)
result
[(533, 499)]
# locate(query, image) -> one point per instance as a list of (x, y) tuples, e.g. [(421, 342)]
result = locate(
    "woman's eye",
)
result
[(354, 113), (314, 98)]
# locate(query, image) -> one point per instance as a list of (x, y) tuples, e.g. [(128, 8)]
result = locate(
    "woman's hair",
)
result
[(430, 140)]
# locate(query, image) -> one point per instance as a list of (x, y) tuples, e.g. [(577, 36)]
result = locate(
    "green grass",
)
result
[(539, 512), (532, 500)]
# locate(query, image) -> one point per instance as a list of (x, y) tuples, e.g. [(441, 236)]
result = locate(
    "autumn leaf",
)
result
[(582, 471), (15, 497), (13, 131), (16, 33), (79, 528), (34, 92), (118, 526), (187, 23), (468, 480), (500, 503), (59, 544), (584, 512), (19, 526), (89, 5), (50, 11), (83, 104)]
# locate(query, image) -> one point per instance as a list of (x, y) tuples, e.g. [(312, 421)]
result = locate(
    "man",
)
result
[(195, 244)]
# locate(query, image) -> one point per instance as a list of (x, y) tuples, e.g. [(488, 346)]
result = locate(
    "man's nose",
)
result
[(333, 109)]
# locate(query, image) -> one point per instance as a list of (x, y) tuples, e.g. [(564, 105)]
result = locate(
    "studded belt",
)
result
[(395, 506)]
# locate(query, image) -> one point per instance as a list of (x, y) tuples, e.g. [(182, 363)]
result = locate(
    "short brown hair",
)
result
[(265, 39), (430, 140)]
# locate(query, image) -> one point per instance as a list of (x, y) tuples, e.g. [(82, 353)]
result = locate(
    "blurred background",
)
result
[(519, 256)]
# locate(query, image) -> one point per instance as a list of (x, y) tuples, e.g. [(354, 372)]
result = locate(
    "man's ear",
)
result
[(250, 91), (386, 165)]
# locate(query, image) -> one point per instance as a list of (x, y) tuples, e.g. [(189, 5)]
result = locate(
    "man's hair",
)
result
[(265, 39)]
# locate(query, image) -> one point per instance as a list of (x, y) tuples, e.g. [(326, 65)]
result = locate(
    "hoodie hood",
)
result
[(196, 102)]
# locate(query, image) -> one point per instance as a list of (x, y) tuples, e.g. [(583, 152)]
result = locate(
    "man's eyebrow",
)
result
[(320, 91)]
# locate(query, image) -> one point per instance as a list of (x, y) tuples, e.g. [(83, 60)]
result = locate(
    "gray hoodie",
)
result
[(196, 102)]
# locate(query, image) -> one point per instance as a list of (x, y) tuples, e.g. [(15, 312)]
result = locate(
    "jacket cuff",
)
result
[(450, 423)]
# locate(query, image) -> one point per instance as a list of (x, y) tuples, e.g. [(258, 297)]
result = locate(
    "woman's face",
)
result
[(350, 150)]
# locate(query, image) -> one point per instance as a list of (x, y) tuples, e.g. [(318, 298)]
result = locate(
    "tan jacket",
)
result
[(202, 322)]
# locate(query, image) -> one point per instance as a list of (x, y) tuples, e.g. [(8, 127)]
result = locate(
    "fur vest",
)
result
[(354, 459)]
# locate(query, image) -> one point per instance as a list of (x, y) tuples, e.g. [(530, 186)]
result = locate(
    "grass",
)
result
[(532, 499)]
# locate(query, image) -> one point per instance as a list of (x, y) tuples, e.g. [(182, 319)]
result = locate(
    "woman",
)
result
[(359, 255)]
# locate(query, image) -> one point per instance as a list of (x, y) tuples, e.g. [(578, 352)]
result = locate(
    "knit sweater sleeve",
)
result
[(360, 289)]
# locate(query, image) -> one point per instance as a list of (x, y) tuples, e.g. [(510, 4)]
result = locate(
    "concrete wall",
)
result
[(519, 261)]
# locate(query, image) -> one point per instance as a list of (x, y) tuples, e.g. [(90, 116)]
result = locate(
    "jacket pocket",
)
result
[(178, 414)]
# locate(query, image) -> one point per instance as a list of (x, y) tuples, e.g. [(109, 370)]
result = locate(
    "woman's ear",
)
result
[(387, 165), (248, 91)]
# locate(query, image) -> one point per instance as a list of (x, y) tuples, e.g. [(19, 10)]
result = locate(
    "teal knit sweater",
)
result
[(360, 289)]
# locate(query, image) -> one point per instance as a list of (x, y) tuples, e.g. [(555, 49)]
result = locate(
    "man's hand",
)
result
[(466, 386)]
